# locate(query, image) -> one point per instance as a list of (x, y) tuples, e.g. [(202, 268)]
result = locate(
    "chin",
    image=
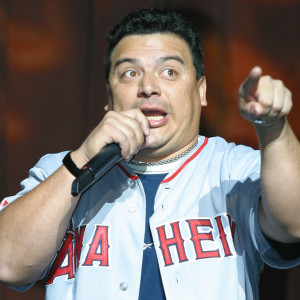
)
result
[(154, 153)]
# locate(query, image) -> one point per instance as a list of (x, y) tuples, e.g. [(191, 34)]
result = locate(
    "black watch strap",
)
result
[(70, 165)]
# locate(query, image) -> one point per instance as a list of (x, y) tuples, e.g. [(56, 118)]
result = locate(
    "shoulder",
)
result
[(230, 148), (238, 161)]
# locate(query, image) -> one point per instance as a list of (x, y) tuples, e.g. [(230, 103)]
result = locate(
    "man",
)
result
[(188, 217)]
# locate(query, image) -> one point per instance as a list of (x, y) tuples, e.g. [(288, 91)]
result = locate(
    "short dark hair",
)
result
[(154, 20)]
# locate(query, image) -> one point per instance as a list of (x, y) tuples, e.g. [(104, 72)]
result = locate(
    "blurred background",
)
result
[(52, 87)]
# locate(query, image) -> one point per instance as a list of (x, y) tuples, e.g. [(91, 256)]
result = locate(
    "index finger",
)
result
[(140, 117), (250, 85)]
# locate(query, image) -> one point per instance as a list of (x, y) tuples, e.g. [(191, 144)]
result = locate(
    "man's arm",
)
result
[(33, 226), (267, 102)]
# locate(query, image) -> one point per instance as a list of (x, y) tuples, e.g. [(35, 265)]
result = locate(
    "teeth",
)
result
[(155, 118)]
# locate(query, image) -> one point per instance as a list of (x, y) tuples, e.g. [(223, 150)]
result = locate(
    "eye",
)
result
[(130, 74), (169, 72)]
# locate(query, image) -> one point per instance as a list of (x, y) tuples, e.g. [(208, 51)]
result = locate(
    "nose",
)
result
[(148, 86)]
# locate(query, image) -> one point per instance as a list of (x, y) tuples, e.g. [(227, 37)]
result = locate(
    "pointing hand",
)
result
[(263, 99)]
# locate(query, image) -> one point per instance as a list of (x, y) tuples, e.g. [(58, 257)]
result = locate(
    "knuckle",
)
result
[(277, 108), (109, 117), (106, 127), (288, 93), (279, 84), (266, 101), (110, 114), (266, 79), (288, 107), (124, 140), (131, 135), (125, 152)]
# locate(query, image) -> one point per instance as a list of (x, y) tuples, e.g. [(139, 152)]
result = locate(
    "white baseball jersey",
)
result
[(205, 230)]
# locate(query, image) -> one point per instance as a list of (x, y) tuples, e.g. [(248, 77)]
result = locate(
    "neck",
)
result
[(143, 156)]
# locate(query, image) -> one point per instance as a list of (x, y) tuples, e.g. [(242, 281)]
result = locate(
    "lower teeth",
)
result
[(155, 118)]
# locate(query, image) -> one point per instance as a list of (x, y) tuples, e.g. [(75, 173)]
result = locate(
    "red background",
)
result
[(52, 89)]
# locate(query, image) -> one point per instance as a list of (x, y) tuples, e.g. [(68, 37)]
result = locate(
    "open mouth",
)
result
[(156, 117), (154, 114)]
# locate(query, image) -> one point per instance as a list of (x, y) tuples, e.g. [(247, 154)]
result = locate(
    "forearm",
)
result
[(33, 226), (280, 173)]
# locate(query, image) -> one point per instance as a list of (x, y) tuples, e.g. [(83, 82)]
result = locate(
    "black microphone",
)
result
[(98, 166)]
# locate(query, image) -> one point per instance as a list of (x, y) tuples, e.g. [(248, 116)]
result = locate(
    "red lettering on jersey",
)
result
[(3, 203), (198, 237), (223, 236), (79, 233), (175, 241), (100, 241), (232, 226), (65, 254)]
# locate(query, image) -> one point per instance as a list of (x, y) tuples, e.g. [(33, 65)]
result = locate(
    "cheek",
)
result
[(188, 102), (121, 99), (190, 107)]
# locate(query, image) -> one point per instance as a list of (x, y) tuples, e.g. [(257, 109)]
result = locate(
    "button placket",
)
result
[(166, 187)]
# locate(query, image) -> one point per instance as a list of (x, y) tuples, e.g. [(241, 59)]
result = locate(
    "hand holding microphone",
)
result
[(98, 166), (119, 136)]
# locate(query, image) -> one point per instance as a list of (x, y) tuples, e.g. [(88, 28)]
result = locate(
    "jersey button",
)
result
[(132, 208), (131, 183), (123, 286), (167, 187)]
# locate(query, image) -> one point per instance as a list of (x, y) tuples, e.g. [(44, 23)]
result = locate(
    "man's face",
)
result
[(155, 73)]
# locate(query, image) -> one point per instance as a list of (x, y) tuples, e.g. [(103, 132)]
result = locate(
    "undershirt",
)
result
[(151, 284)]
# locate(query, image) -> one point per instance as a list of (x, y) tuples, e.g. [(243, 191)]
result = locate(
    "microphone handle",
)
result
[(98, 166)]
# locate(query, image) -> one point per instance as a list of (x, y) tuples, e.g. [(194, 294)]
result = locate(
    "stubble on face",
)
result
[(148, 58)]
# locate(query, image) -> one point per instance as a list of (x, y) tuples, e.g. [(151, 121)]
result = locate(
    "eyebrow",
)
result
[(124, 60), (173, 57), (159, 60)]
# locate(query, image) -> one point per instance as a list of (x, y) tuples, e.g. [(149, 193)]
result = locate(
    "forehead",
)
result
[(151, 46)]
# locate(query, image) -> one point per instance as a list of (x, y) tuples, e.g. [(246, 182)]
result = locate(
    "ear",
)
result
[(202, 90), (109, 106)]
